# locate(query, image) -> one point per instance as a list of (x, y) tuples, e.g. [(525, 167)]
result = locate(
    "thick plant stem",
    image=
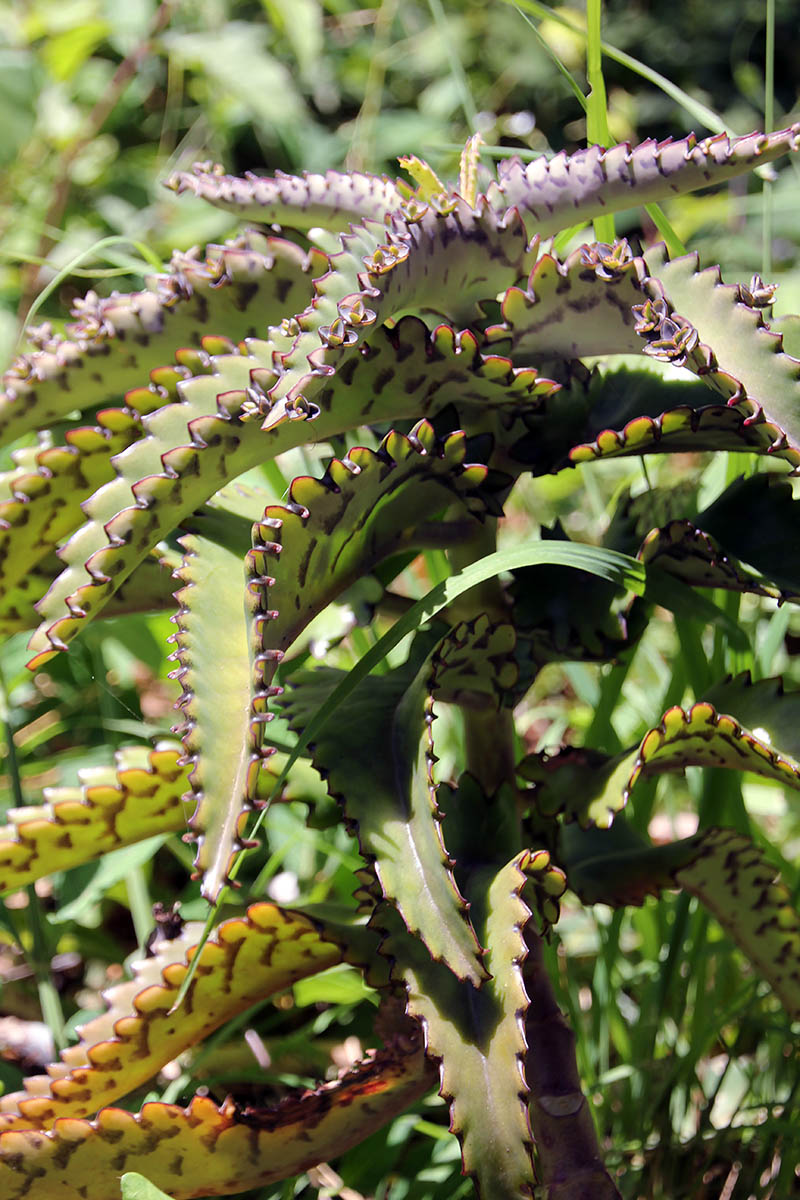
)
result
[(568, 1155), (489, 737), (569, 1164)]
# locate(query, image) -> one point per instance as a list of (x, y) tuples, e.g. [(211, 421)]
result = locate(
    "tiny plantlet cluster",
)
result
[(432, 335)]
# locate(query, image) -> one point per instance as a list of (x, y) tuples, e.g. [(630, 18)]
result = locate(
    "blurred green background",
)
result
[(100, 100)]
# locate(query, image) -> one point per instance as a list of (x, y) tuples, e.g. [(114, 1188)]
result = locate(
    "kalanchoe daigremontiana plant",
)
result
[(436, 320)]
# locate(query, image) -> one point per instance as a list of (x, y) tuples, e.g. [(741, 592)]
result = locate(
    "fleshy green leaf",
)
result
[(735, 881), (209, 1151), (566, 189), (113, 806), (376, 760), (332, 200), (478, 1036), (193, 447), (212, 650), (238, 290), (735, 340), (733, 728), (246, 959), (366, 507)]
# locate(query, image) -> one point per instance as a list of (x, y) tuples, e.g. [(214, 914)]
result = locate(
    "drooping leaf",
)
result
[(689, 554), (209, 1151), (407, 266), (726, 870), (626, 412), (247, 959), (735, 343), (735, 880), (756, 518), (733, 728)]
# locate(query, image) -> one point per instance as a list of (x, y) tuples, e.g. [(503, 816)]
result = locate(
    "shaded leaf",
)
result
[(478, 1036), (376, 760)]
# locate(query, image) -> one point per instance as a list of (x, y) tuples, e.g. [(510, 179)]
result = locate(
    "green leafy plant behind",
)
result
[(435, 341)]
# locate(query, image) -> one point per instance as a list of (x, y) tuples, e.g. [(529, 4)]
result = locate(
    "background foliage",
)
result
[(99, 101)]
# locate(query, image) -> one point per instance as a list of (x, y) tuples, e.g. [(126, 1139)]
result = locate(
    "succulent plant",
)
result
[(432, 335)]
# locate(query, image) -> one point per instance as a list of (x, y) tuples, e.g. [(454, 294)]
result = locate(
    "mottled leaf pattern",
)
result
[(478, 1037), (735, 343), (112, 807), (735, 881), (245, 960), (429, 312), (566, 189), (212, 641), (237, 290), (209, 1151), (592, 787)]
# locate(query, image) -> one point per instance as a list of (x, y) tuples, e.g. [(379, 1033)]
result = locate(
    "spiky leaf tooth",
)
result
[(148, 589), (49, 488), (570, 188), (367, 507), (688, 553), (762, 707), (591, 787), (734, 343), (580, 307), (45, 503), (113, 806), (210, 1151), (193, 447), (625, 412), (238, 289), (246, 959), (332, 200), (376, 761), (756, 518), (724, 869), (736, 882), (214, 672), (477, 1034), (441, 262), (117, 535)]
